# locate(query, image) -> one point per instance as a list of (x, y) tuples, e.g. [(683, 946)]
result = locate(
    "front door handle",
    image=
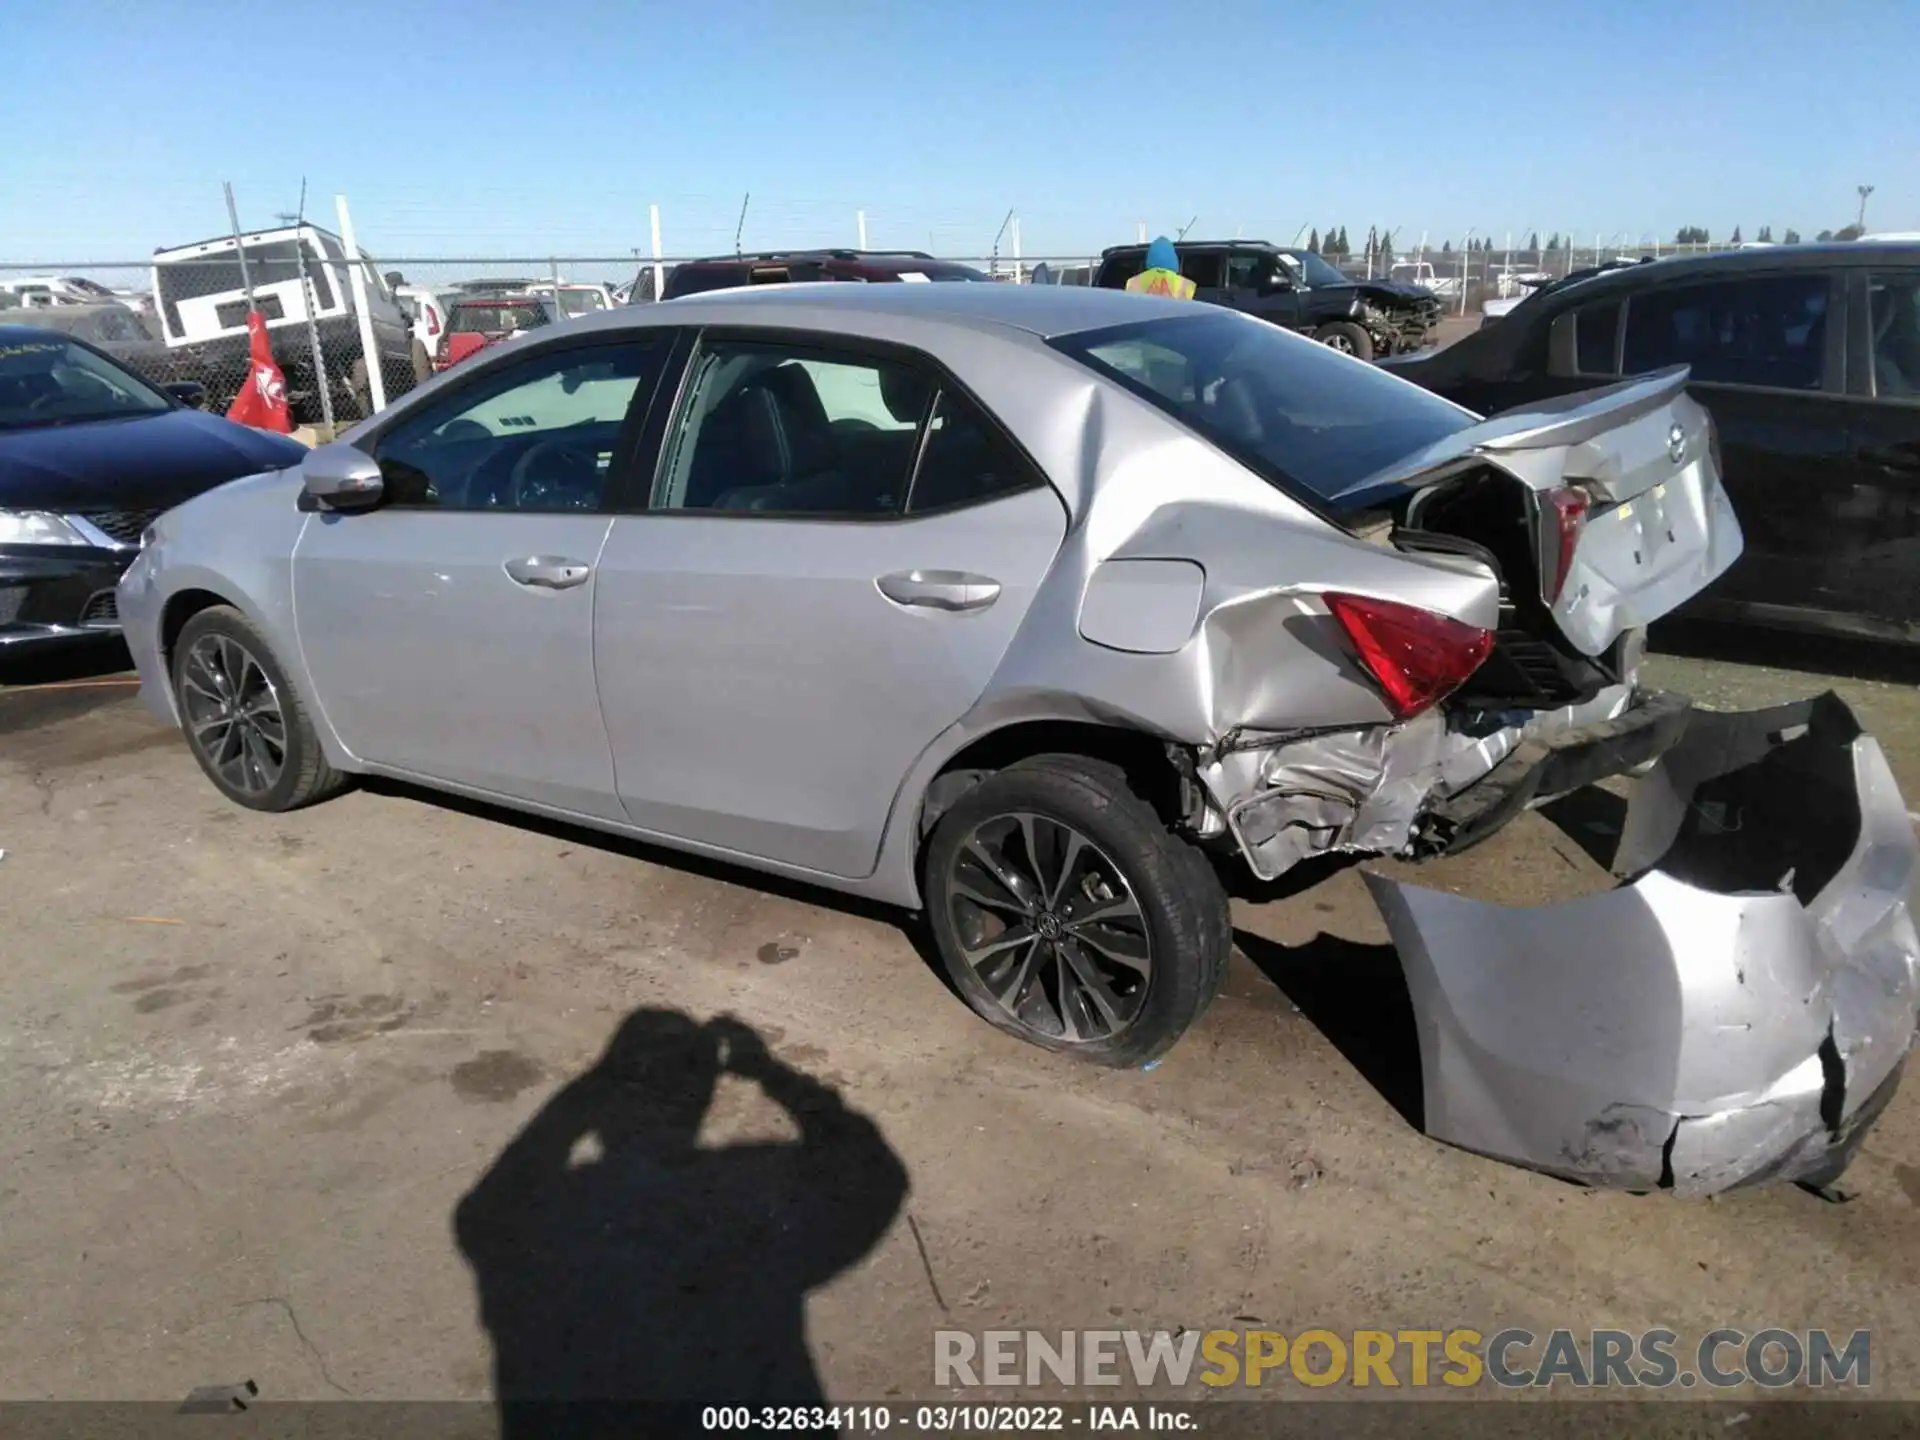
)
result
[(952, 590), (548, 572)]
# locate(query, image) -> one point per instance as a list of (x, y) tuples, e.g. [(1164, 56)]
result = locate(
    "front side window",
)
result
[(1893, 309), (47, 382), (1768, 331), (1245, 272), (1297, 413), (536, 436), (784, 429)]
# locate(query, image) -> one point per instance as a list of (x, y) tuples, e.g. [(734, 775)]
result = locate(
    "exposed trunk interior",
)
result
[(1491, 516)]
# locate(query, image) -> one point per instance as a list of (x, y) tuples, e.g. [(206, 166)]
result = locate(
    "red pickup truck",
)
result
[(475, 324)]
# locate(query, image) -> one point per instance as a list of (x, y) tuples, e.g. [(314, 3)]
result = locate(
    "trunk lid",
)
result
[(1628, 515)]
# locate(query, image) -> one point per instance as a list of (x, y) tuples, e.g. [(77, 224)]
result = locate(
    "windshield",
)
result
[(494, 319), (1317, 271), (51, 381), (1304, 417), (581, 300)]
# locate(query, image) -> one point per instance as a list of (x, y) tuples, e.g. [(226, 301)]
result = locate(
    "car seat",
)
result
[(770, 435)]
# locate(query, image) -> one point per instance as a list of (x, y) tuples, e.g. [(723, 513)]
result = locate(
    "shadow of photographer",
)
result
[(617, 1262)]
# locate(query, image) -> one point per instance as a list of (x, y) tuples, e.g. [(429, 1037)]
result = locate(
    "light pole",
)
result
[(1864, 191)]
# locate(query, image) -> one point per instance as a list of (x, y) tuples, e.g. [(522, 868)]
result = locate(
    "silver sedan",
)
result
[(1031, 608)]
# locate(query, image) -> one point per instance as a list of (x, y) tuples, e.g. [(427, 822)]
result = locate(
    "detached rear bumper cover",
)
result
[(1737, 1013)]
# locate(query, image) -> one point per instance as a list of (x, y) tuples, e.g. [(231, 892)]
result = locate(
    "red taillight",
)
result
[(1567, 508), (433, 323), (1415, 656)]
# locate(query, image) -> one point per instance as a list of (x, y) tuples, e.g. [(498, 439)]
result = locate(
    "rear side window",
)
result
[(1116, 270), (1769, 331), (1203, 267), (1595, 333), (966, 460)]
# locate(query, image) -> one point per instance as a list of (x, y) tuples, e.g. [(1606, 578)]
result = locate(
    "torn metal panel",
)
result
[(1375, 791), (1736, 1013)]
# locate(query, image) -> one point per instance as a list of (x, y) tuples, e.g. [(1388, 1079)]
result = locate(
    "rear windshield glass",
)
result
[(1300, 414), (686, 280), (581, 302), (493, 319), (940, 270)]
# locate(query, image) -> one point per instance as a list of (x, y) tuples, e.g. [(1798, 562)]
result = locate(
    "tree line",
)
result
[(1332, 243)]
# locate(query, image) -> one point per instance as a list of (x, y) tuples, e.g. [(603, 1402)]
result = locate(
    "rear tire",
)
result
[(245, 723), (1067, 914), (1346, 337)]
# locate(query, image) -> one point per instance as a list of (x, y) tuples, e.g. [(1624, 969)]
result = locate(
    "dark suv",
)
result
[(787, 267), (1297, 289), (1808, 359)]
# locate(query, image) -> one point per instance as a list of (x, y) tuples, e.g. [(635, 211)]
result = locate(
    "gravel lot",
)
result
[(251, 1067)]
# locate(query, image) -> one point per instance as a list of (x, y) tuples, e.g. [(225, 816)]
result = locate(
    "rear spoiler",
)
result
[(1563, 420)]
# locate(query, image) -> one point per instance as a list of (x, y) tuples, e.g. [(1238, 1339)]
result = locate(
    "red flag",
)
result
[(262, 401)]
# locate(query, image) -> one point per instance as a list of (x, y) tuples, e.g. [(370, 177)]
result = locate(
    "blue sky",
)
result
[(482, 128)]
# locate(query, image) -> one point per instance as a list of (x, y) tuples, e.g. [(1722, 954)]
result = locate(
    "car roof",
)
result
[(1772, 260), (1040, 310), (1196, 245)]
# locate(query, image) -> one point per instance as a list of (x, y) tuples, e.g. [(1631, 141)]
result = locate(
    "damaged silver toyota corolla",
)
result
[(1020, 606)]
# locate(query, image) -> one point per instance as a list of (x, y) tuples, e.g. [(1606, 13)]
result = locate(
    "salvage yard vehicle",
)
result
[(1808, 357), (474, 324), (1297, 289), (1028, 607), (787, 267), (90, 454), (297, 272)]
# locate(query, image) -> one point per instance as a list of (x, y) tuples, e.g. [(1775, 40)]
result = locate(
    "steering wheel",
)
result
[(558, 474)]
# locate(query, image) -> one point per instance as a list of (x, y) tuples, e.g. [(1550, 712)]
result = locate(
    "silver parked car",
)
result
[(1029, 607)]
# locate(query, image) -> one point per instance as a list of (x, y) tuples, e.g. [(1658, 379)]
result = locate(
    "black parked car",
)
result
[(90, 455), (1294, 288), (1808, 358)]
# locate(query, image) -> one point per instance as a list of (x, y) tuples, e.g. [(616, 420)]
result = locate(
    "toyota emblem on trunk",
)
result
[(1676, 444)]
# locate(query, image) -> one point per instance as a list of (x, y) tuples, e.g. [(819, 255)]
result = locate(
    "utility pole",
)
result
[(1865, 191)]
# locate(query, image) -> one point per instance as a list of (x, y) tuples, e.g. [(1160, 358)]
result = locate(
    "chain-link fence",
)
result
[(352, 333)]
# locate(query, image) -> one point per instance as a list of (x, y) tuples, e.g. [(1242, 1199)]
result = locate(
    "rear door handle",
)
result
[(952, 590), (548, 572), (1900, 460)]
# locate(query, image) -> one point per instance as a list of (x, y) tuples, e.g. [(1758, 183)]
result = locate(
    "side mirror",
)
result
[(339, 476), (190, 393), (1275, 285)]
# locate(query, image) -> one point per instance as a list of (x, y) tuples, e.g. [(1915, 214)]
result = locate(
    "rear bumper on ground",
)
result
[(1737, 1012), (52, 595)]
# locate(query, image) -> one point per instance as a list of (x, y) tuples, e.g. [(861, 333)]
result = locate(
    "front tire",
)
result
[(1067, 914), (1346, 337), (245, 723)]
